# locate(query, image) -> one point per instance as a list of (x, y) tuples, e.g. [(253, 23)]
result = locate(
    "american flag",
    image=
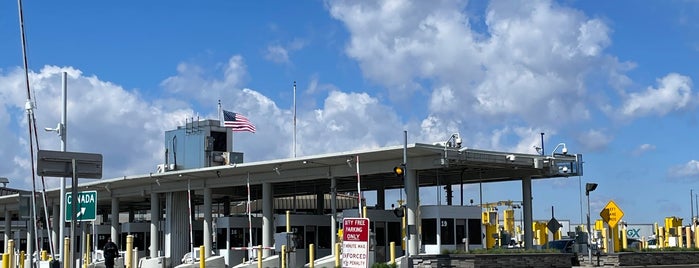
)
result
[(237, 122)]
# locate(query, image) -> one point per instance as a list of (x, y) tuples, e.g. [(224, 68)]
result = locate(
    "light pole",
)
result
[(589, 187)]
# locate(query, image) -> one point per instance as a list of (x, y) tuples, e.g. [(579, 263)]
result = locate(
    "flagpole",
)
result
[(294, 119), (220, 122)]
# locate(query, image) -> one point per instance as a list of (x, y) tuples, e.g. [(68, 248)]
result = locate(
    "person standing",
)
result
[(111, 251)]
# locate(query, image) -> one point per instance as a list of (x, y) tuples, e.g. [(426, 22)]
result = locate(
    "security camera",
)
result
[(511, 157), (563, 169), (564, 150)]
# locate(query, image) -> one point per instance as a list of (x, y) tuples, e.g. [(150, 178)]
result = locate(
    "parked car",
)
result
[(652, 243), (562, 245), (633, 243)]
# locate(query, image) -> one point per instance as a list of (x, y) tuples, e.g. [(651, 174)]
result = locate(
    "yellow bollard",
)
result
[(6, 260), (661, 238), (605, 243), (21, 259), (66, 257), (288, 221), (688, 235), (259, 256), (393, 253), (679, 237), (311, 256), (624, 239), (129, 251), (202, 257), (696, 236), (364, 212), (87, 252), (337, 254), (284, 252), (11, 250), (44, 255)]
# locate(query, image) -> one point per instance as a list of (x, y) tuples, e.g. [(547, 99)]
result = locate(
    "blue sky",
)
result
[(613, 80)]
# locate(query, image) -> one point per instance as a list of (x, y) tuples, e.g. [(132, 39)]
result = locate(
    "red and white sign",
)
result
[(355, 242)]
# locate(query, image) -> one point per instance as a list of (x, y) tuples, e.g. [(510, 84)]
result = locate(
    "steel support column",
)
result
[(207, 222), (267, 217), (527, 208), (154, 224)]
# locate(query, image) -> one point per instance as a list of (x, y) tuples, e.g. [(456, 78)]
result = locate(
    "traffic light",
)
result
[(399, 211), (399, 170)]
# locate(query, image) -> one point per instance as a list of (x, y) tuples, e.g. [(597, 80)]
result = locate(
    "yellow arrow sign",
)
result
[(611, 214)]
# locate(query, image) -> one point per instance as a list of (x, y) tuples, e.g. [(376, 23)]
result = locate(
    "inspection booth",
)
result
[(450, 228), (307, 229), (232, 236)]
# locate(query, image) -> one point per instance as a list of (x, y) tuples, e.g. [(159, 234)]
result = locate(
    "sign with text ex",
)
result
[(87, 206), (355, 242)]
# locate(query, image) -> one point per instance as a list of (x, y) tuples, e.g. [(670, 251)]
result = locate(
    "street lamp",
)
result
[(589, 187)]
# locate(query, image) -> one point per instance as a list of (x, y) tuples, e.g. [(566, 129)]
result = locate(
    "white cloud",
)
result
[(277, 54), (102, 118), (280, 54), (674, 93), (529, 64), (594, 140), (192, 81), (686, 171), (643, 148)]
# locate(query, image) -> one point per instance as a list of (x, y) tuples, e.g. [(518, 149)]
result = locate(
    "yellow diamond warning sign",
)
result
[(611, 214)]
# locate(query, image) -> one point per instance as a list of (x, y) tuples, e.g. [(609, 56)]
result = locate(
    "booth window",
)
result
[(460, 231), (323, 239), (475, 236), (447, 231), (220, 238), (395, 232), (429, 231)]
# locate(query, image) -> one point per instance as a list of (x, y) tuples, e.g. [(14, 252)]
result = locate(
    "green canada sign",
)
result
[(86, 206)]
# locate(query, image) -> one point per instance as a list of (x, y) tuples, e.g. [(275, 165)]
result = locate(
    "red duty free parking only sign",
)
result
[(355, 242)]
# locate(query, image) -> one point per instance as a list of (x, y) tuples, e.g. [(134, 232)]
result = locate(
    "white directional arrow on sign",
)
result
[(82, 212)]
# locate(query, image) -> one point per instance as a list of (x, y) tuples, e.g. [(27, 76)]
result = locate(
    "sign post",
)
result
[(355, 243), (69, 164)]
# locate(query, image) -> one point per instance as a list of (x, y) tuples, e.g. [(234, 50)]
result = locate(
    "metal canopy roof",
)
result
[(435, 164)]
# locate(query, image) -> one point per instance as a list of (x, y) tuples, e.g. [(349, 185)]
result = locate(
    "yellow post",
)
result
[(605, 243), (616, 238), (6, 260), (259, 256), (661, 238), (679, 237), (129, 251), (644, 244), (284, 250), (87, 252), (688, 235), (288, 221), (364, 212), (11, 250), (624, 239), (44, 255), (393, 253), (311, 255), (66, 256), (696, 236), (21, 259), (202, 257), (337, 254)]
